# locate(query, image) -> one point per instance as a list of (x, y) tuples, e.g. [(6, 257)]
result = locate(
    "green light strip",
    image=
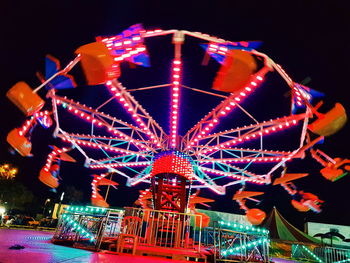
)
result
[(243, 228), (237, 249), (82, 209), (81, 230), (312, 254)]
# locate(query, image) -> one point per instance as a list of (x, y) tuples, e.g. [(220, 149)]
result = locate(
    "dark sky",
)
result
[(309, 38)]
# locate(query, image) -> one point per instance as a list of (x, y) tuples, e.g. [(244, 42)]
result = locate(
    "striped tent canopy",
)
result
[(281, 230)]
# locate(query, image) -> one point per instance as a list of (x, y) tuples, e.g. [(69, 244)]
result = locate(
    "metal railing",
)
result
[(160, 232), (110, 226), (94, 227), (239, 246), (320, 254), (165, 229), (88, 226), (331, 254)]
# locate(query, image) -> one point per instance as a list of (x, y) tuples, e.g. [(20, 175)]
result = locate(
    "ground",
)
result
[(38, 248)]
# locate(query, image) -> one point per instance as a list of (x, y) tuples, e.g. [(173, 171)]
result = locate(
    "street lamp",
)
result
[(59, 205), (47, 200), (2, 212), (62, 195)]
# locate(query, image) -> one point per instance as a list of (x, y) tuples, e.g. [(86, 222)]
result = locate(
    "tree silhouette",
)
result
[(333, 232), (15, 194)]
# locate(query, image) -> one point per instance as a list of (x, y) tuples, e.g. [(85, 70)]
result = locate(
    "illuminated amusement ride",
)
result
[(115, 119)]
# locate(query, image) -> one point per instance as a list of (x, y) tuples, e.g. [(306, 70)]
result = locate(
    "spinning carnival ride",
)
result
[(121, 136)]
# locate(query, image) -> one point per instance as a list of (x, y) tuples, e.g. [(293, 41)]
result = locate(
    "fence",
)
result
[(87, 226), (94, 227), (165, 229), (320, 254), (152, 231), (233, 242)]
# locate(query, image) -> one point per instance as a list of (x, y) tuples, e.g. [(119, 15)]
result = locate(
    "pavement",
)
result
[(39, 249)]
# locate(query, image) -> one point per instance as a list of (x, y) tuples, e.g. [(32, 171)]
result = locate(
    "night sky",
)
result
[(310, 39)]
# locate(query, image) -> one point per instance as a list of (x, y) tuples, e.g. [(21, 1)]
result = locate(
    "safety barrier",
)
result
[(320, 254), (87, 226), (95, 227), (234, 242), (165, 229), (161, 233)]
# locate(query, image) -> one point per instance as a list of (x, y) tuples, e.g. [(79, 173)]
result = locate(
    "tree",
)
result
[(332, 234), (15, 194)]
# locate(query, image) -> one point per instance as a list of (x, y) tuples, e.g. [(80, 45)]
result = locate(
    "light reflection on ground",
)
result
[(39, 249)]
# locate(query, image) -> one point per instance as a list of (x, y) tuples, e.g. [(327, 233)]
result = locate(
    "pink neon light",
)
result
[(29, 123), (193, 176), (300, 96), (235, 176), (276, 125), (151, 32), (140, 179), (132, 110), (115, 165), (26, 126), (211, 187), (130, 47), (52, 156), (267, 159), (175, 94), (251, 137), (94, 186), (256, 80), (100, 146), (116, 132)]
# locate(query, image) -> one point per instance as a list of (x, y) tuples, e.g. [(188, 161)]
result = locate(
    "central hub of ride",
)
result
[(171, 171), (172, 162)]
